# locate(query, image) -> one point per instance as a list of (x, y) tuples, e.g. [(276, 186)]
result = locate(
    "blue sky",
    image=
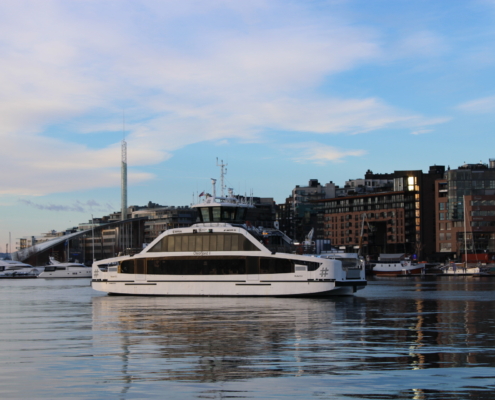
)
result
[(282, 91)]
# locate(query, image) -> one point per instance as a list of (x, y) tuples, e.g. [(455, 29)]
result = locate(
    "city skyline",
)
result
[(282, 92)]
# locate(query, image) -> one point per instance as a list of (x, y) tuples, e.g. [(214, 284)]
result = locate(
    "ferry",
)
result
[(222, 255)]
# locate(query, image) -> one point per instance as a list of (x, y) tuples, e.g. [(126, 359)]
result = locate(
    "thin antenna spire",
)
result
[(123, 183), (123, 124), (223, 171)]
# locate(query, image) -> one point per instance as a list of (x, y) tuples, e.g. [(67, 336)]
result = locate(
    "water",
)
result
[(400, 338)]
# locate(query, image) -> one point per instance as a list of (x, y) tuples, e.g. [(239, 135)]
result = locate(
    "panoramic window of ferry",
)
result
[(276, 266), (127, 267), (204, 242), (197, 266), (140, 264)]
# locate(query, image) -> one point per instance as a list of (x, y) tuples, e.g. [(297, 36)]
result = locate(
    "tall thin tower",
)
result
[(123, 177)]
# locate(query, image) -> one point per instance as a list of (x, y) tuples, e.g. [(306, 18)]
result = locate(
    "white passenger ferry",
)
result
[(222, 256)]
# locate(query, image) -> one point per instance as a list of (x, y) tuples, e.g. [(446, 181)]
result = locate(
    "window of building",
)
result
[(445, 246)]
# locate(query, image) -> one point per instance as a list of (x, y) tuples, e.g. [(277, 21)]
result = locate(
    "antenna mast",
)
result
[(223, 171), (123, 175)]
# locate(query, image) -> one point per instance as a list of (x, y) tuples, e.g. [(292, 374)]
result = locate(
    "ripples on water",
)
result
[(397, 339)]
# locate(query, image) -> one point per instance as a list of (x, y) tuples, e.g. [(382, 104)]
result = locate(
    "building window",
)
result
[(445, 247)]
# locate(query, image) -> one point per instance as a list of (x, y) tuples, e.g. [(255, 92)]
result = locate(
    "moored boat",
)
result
[(11, 269), (460, 269), (58, 269), (396, 264)]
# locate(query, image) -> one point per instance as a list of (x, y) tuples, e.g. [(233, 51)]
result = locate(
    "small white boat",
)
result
[(396, 264), (459, 269), (65, 270), (16, 270)]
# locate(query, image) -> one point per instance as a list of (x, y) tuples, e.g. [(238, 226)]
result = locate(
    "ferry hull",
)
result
[(231, 288)]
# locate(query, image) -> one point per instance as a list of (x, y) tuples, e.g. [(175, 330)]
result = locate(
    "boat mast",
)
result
[(93, 234), (223, 171), (465, 235), (361, 235)]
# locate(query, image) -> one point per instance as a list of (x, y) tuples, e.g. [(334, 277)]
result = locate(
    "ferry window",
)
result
[(198, 266), (227, 242), (171, 243), (216, 214), (140, 264), (127, 267), (228, 213), (247, 245), (199, 242), (205, 214), (252, 265), (192, 243), (213, 242), (235, 242), (241, 214), (220, 242), (206, 244), (185, 243), (158, 247), (178, 242), (276, 266)]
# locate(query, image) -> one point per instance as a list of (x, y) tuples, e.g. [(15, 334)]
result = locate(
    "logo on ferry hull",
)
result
[(324, 272)]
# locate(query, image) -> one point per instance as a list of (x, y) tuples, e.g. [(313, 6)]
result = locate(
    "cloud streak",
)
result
[(80, 207), (483, 105), (318, 153)]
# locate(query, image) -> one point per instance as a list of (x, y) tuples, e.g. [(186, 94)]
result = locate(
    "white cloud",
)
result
[(186, 72), (483, 105), (421, 131), (321, 154), (422, 43), (77, 206)]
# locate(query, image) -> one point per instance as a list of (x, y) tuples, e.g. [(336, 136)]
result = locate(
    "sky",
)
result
[(283, 91)]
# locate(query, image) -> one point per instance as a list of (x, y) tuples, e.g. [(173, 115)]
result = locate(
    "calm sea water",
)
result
[(400, 338)]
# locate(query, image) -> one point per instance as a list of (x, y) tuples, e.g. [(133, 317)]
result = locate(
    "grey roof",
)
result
[(22, 254)]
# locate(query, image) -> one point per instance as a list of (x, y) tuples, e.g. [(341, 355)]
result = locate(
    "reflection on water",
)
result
[(407, 338)]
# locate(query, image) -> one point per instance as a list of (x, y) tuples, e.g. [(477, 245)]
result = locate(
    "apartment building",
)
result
[(465, 210)]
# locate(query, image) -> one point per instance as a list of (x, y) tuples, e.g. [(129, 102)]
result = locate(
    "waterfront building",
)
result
[(397, 220), (465, 202), (301, 212)]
